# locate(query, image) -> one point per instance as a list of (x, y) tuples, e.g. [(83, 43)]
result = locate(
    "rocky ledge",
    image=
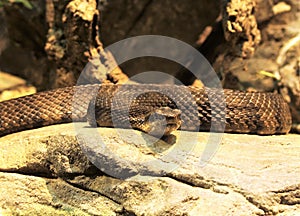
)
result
[(48, 171)]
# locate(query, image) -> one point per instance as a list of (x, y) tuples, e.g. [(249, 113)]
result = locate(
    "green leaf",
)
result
[(24, 2)]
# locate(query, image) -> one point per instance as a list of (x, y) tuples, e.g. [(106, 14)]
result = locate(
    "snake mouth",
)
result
[(173, 126)]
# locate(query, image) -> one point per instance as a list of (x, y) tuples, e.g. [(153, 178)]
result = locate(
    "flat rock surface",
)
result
[(12, 87), (48, 171)]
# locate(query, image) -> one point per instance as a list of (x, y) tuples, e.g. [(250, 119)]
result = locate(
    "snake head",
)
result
[(161, 122)]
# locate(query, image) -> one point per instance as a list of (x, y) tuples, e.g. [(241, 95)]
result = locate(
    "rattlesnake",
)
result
[(245, 112)]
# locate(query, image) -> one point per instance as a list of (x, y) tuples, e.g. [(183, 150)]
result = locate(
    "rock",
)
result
[(47, 171), (30, 195), (12, 87)]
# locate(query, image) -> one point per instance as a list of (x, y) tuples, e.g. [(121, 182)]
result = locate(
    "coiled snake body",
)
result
[(260, 113)]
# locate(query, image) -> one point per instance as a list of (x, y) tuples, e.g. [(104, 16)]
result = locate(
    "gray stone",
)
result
[(47, 171)]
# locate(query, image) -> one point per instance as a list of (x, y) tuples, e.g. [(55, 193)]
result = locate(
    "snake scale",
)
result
[(244, 112)]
